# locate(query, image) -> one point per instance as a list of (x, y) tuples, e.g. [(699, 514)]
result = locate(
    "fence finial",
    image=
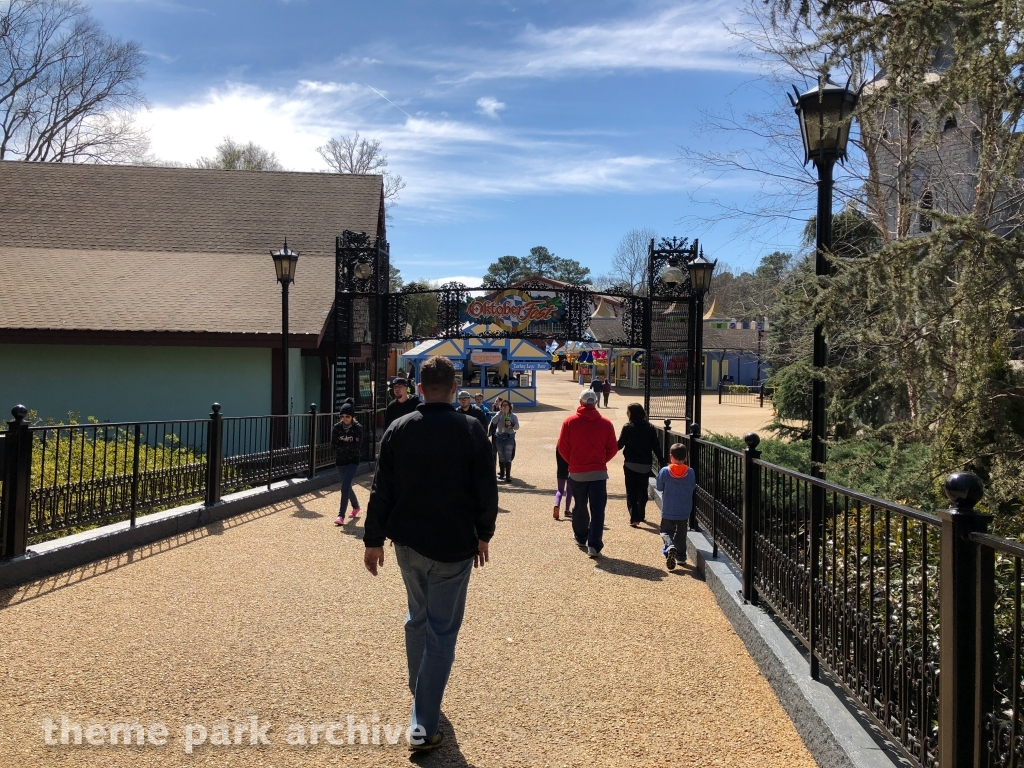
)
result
[(752, 439), (19, 412), (695, 429), (215, 407), (964, 489)]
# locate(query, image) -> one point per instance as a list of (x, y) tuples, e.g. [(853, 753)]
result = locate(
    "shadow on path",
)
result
[(618, 567), (448, 755)]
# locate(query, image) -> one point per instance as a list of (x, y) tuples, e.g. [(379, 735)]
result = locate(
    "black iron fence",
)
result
[(59, 479), (743, 394), (882, 596)]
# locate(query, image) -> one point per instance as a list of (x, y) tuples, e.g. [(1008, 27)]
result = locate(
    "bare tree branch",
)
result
[(67, 88)]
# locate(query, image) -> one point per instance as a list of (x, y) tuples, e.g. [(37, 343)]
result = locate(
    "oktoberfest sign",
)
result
[(513, 310)]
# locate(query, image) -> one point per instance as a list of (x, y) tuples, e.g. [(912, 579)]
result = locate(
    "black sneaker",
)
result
[(581, 544), (670, 558), (427, 744)]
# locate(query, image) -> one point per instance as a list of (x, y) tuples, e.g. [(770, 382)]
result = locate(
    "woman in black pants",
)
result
[(639, 443)]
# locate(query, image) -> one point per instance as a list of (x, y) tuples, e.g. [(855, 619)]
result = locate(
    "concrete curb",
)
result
[(834, 732), (52, 557)]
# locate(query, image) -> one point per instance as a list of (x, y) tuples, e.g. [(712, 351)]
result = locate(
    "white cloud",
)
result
[(688, 36), (446, 163), (489, 106)]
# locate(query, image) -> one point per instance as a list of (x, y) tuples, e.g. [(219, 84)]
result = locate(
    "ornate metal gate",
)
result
[(369, 318)]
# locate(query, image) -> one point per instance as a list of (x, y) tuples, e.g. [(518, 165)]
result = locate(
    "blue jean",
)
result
[(436, 593), (589, 525), (347, 473), (505, 447)]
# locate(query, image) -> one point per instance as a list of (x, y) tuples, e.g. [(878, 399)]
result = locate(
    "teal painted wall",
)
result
[(139, 383), (311, 371)]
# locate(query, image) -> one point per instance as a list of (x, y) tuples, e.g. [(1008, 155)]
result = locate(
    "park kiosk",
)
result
[(491, 366)]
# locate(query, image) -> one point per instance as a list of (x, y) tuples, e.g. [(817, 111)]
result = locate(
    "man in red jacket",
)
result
[(587, 441)]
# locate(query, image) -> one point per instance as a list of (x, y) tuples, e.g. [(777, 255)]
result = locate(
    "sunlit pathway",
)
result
[(271, 615)]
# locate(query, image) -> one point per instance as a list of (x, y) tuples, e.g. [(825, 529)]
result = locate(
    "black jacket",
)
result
[(397, 410), (434, 489), (638, 441), (346, 444), (478, 413)]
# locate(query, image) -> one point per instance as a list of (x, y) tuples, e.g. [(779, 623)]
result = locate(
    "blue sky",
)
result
[(514, 124)]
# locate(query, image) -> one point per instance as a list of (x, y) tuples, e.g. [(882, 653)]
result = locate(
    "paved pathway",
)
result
[(271, 615)]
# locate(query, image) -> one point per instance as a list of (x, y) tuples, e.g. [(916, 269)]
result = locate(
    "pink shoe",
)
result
[(339, 521), (353, 513)]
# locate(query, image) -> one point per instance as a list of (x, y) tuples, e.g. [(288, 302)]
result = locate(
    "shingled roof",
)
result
[(128, 248)]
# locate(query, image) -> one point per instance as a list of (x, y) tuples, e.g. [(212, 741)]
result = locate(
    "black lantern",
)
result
[(824, 113), (284, 262), (700, 274)]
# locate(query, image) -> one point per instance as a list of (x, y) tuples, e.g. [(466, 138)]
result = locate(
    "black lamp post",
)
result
[(825, 112), (700, 270), (284, 262)]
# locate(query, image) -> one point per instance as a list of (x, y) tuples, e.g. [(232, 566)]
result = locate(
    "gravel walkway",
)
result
[(271, 615)]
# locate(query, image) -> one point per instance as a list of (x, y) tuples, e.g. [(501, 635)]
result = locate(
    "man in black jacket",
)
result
[(435, 496), (402, 403), (466, 406)]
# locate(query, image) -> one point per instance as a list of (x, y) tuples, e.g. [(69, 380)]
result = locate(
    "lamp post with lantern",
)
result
[(666, 281), (825, 113), (285, 261), (700, 270)]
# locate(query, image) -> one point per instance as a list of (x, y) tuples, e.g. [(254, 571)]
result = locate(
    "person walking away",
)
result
[(606, 389), (564, 492), (347, 439), (587, 442), (504, 426), (490, 429), (677, 483), (403, 403), (595, 384), (435, 496), (638, 442), (466, 406)]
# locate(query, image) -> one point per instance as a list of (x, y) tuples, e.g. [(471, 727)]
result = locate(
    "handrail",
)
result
[(910, 512)]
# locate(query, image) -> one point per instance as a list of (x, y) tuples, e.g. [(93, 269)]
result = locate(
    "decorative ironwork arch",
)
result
[(664, 322)]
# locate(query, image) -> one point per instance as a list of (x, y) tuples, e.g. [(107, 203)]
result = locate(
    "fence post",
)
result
[(760, 390), (214, 455), (666, 440), (695, 465), (984, 672), (17, 469), (312, 439), (716, 468), (719, 393), (751, 512), (135, 473), (958, 571)]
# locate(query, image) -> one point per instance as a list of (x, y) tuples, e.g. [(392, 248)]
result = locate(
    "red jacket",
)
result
[(587, 441)]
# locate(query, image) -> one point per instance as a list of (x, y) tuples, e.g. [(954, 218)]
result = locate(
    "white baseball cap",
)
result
[(588, 397)]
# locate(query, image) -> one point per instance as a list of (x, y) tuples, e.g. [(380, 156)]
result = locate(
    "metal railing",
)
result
[(882, 596), (742, 394), (60, 479)]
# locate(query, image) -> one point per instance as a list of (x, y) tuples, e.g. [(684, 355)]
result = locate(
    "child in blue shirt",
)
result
[(677, 483)]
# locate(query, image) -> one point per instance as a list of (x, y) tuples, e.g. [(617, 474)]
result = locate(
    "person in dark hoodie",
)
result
[(638, 441), (587, 442), (347, 439), (435, 496)]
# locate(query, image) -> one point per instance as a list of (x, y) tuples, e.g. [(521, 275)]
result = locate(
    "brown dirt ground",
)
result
[(561, 662)]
